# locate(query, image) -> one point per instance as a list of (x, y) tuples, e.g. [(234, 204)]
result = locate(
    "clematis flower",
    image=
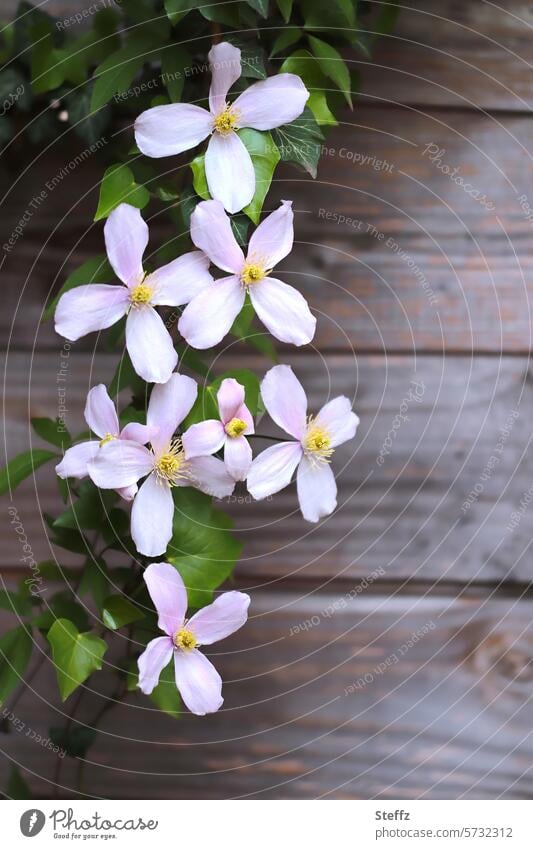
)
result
[(282, 309), (316, 439), (228, 432), (175, 127), (197, 680), (164, 466), (101, 416), (97, 306)]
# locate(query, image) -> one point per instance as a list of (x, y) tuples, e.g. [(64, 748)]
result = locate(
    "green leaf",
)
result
[(125, 376), (15, 652), (265, 156), (304, 65), (118, 611), (119, 186), (67, 538), (221, 13), (329, 15), (333, 65), (14, 89), (177, 9), (89, 510), (15, 602), (22, 466), (16, 786), (260, 6), (165, 695), (62, 605), (240, 224), (252, 58), (116, 73), (88, 126), (174, 60), (75, 655), (300, 142), (75, 742), (94, 270), (287, 37), (241, 325), (285, 7), (199, 180), (52, 431), (95, 580)]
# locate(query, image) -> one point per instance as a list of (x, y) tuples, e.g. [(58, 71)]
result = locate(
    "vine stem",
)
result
[(266, 436)]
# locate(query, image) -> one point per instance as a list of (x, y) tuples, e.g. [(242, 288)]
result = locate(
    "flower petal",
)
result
[(339, 419), (88, 308), (204, 438), (181, 280), (230, 397), (150, 345), (120, 463), (172, 128), (225, 62), (216, 621), (75, 460), (283, 311), (211, 232), (273, 239), (317, 490), (208, 318), (168, 594), (209, 475), (100, 413), (128, 493), (198, 682), (139, 432), (169, 403), (229, 171), (285, 400), (151, 517), (152, 661), (126, 237), (272, 102), (272, 470), (238, 457)]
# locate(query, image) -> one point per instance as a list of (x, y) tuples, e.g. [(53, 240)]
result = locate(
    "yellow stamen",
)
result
[(107, 438), (226, 121), (172, 465), (185, 640), (252, 272), (317, 442), (235, 428), (141, 295)]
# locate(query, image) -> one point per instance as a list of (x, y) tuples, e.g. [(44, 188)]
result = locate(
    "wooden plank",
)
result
[(326, 695), (428, 489)]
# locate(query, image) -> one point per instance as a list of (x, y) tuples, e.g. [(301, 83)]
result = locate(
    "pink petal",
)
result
[(245, 414), (210, 475), (272, 240), (151, 517), (139, 432), (317, 490), (272, 102), (238, 457), (285, 400), (204, 438), (211, 232), (272, 470), (170, 129), (198, 682), (208, 318), (100, 413), (230, 397), (126, 237), (339, 419), (169, 403), (152, 661), (229, 171), (225, 61), (168, 594), (283, 311), (150, 345), (128, 493), (181, 280), (75, 460), (226, 615), (121, 464), (88, 308)]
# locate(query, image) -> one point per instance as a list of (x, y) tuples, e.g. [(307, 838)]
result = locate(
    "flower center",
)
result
[(226, 121), (252, 273), (185, 640), (235, 428), (107, 438), (141, 295), (317, 442), (172, 465)]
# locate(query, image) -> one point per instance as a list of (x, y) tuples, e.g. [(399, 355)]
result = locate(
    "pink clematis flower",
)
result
[(282, 309), (197, 680), (173, 128), (166, 465), (317, 437), (101, 416), (229, 432), (97, 306)]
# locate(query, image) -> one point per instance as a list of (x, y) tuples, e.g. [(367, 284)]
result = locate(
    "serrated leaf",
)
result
[(22, 466), (118, 611), (118, 186), (94, 270), (332, 65), (52, 431), (75, 655), (15, 652), (300, 142)]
